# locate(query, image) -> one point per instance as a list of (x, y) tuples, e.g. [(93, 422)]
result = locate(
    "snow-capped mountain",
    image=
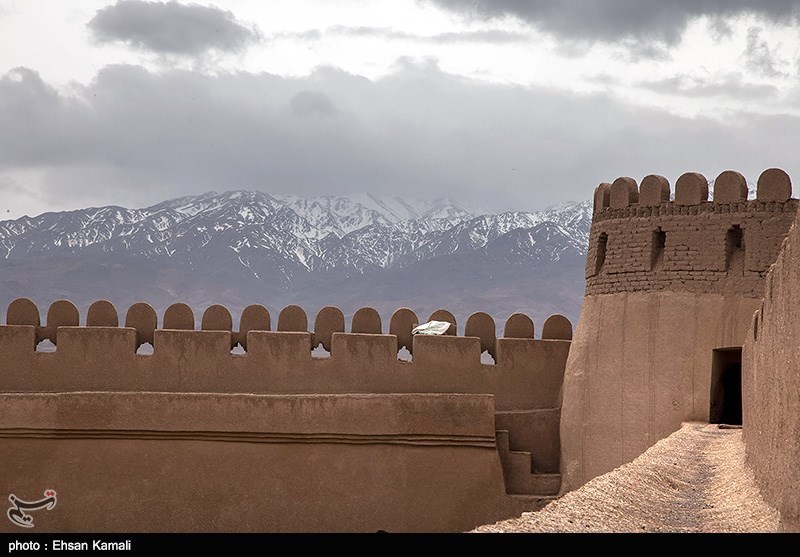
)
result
[(240, 244), (262, 233)]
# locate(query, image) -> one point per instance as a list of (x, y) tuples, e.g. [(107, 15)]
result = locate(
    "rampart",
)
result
[(102, 356), (671, 285), (343, 438)]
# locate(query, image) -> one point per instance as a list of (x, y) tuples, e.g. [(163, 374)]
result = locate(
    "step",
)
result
[(536, 484), (535, 431), (517, 471), (514, 462)]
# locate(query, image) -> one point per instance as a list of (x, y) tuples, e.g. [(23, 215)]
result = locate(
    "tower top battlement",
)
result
[(643, 240), (691, 190)]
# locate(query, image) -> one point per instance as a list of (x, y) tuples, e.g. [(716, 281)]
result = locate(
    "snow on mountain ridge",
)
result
[(279, 235)]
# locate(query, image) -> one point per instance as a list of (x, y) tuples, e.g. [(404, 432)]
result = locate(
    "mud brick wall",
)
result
[(694, 255), (254, 421), (771, 386)]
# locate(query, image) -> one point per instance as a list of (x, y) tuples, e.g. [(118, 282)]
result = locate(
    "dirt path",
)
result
[(695, 480)]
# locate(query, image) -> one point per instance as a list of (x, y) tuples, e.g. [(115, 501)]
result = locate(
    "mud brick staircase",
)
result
[(528, 471)]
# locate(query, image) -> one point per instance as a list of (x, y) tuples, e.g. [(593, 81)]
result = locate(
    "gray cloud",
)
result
[(610, 20), (603, 78), (172, 28), (732, 85), (759, 57), (645, 29), (312, 103), (720, 28), (637, 51), (492, 36), (134, 136), (496, 36)]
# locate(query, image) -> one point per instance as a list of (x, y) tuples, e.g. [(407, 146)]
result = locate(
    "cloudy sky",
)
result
[(497, 103)]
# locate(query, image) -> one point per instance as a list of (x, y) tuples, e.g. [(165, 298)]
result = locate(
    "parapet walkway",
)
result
[(695, 480)]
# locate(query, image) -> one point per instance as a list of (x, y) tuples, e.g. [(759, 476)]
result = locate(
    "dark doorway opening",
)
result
[(726, 387)]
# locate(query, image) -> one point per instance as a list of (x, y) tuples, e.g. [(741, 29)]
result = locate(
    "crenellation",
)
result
[(280, 352), (624, 193), (481, 325), (557, 327), (22, 311), (694, 256), (62, 313), (366, 320), (363, 357), (102, 313), (94, 358), (729, 187), (255, 317), (653, 192), (602, 197), (292, 319), (179, 317), (691, 189), (216, 318), (142, 317), (402, 323), (774, 185), (444, 315), (17, 344), (329, 320), (519, 325)]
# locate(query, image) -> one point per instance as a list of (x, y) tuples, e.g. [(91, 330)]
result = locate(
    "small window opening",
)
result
[(601, 252), (659, 241), (734, 250)]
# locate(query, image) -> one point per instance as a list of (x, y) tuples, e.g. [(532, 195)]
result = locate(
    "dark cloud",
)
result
[(492, 36), (732, 85), (134, 137), (172, 28), (759, 57), (610, 20)]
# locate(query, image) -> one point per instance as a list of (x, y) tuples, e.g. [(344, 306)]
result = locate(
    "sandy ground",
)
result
[(695, 480)]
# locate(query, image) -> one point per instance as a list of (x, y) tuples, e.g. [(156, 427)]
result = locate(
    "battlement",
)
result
[(642, 240), (101, 355)]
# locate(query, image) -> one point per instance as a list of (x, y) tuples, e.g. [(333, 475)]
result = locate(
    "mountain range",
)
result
[(243, 247)]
